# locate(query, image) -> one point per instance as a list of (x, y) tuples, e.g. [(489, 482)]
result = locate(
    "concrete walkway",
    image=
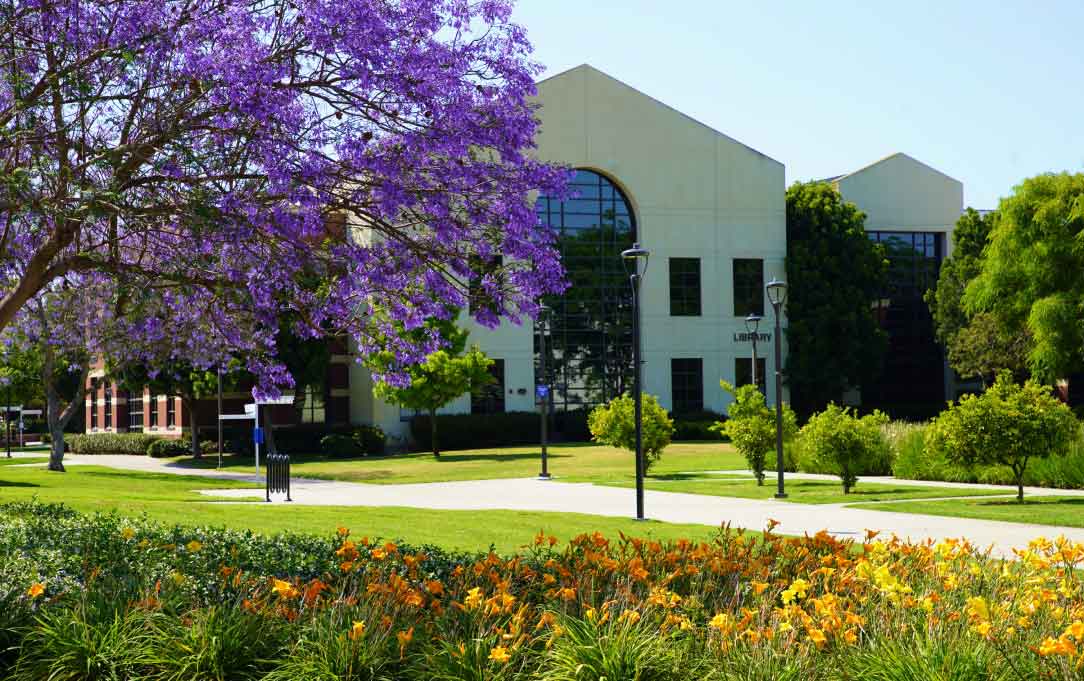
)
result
[(529, 494)]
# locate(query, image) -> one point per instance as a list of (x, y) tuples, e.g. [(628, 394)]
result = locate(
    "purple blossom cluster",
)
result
[(211, 168)]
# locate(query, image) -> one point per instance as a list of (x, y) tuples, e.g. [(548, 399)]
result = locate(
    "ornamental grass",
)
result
[(108, 597)]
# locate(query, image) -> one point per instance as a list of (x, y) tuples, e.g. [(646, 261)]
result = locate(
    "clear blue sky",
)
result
[(987, 92)]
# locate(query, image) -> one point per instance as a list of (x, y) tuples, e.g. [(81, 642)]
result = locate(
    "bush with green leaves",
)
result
[(110, 443), (614, 424), (837, 441), (1009, 425), (337, 445), (371, 440), (751, 426), (166, 448)]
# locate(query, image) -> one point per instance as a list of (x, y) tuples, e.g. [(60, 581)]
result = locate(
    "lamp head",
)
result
[(633, 257), (752, 323), (777, 292)]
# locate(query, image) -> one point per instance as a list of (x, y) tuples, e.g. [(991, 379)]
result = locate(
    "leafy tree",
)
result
[(837, 439), (751, 426), (834, 274), (614, 424), (978, 345), (1031, 275), (446, 374), (210, 149), (1009, 424)]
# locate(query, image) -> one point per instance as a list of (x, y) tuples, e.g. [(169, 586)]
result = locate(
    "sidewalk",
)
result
[(530, 494)]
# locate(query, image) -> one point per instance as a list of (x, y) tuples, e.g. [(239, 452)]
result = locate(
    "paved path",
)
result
[(529, 494)]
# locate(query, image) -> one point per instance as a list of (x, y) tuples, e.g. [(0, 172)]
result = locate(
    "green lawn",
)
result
[(582, 461), (171, 499), (1066, 511), (802, 491), (4, 461)]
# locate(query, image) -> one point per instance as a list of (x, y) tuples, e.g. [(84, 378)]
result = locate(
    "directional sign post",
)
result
[(252, 413)]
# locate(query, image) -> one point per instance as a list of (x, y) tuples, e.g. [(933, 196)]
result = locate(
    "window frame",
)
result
[(688, 388), (491, 399), (743, 372), (744, 292), (686, 288)]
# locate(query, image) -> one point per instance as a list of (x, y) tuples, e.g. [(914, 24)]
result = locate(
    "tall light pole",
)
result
[(542, 390), (633, 257), (752, 325), (777, 295), (220, 417)]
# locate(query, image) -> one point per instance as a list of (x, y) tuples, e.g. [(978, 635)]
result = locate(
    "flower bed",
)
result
[(130, 599)]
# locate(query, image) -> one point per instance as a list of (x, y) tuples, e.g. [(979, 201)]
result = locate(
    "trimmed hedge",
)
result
[(135, 444), (166, 448), (470, 431)]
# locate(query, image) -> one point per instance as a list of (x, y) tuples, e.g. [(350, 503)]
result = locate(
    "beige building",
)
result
[(711, 211), (912, 209)]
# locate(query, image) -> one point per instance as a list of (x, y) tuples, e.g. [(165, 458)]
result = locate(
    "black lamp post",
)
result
[(777, 295), (633, 257), (752, 325), (542, 391)]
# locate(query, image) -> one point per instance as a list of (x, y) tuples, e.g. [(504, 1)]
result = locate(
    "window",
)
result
[(94, 404), (153, 405), (313, 409), (687, 385), (171, 411), (590, 340), (748, 287), (135, 411), (490, 398), (685, 287), (108, 420), (743, 373)]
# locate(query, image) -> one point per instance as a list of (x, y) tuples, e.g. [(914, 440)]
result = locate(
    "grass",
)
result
[(4, 461), (581, 461), (1065, 511), (803, 491), (170, 498)]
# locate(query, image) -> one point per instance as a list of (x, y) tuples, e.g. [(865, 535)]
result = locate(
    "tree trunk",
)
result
[(189, 403), (433, 432), (56, 417), (56, 453)]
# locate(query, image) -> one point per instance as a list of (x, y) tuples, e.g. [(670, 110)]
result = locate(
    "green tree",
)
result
[(834, 274), (445, 375), (751, 426), (837, 439), (1031, 275), (614, 424), (1009, 424), (978, 345)]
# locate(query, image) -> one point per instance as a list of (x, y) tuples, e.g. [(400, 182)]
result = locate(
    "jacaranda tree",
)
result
[(214, 153)]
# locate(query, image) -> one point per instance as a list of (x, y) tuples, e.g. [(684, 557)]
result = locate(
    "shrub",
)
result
[(614, 424), (167, 448), (838, 442), (210, 446), (1009, 425), (751, 426), (697, 426), (371, 440), (111, 443), (340, 446), (471, 431)]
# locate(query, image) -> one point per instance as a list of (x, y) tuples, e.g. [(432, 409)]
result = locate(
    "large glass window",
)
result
[(153, 406), (171, 411), (743, 373), (93, 403), (135, 411), (748, 287), (685, 287), (687, 385), (314, 409), (590, 356), (108, 420), (490, 398)]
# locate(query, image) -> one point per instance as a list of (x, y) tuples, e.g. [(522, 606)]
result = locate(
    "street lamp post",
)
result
[(542, 392), (220, 417), (777, 295), (752, 325), (633, 257)]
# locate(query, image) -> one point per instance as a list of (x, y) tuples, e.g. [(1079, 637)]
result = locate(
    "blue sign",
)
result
[(257, 435), (542, 391)]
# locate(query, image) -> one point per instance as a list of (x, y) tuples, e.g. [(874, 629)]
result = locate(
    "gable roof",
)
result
[(890, 157), (592, 69)]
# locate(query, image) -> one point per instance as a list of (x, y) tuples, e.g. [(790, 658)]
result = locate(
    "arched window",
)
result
[(590, 328)]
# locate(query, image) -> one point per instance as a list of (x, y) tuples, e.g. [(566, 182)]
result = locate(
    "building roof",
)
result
[(837, 178), (622, 83)]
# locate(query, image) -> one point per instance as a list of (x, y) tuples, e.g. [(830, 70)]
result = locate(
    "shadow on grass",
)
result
[(1032, 502), (6, 483)]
